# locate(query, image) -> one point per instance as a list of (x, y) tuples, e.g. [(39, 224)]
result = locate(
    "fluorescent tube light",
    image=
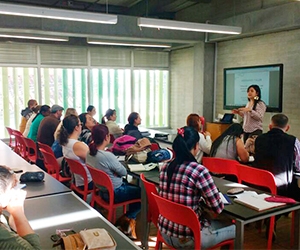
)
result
[(80, 16), (101, 42), (36, 37), (187, 26)]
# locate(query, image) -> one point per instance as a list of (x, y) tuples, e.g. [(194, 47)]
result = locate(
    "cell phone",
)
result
[(236, 190), (17, 170)]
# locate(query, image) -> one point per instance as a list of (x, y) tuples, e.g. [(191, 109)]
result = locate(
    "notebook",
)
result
[(257, 201), (142, 167)]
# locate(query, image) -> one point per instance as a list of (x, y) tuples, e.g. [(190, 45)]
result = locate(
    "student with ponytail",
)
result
[(109, 119), (107, 162), (74, 149), (187, 182)]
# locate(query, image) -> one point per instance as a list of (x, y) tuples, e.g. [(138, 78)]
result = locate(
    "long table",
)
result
[(34, 189), (68, 211), (242, 214)]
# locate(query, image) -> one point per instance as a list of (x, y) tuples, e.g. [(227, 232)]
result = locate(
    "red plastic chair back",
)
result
[(46, 147), (152, 215), (32, 153), (185, 216), (258, 177), (262, 178), (152, 206), (11, 137), (77, 168), (20, 147), (101, 179), (221, 166), (52, 166)]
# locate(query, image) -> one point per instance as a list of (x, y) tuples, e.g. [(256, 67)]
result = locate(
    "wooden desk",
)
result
[(62, 211), (216, 129)]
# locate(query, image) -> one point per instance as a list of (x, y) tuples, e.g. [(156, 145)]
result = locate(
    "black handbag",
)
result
[(32, 176)]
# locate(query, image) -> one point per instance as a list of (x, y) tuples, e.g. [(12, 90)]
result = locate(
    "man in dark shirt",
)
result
[(278, 152), (48, 125)]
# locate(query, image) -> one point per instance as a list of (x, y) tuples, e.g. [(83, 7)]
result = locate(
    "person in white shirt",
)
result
[(193, 120)]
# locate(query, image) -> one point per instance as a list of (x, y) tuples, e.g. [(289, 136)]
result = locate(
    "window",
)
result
[(122, 79)]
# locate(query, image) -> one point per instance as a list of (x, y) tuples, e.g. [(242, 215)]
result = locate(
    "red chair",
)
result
[(77, 168), (101, 179), (185, 216), (12, 142), (52, 166), (20, 147), (46, 147), (32, 153), (221, 166), (262, 178), (152, 215)]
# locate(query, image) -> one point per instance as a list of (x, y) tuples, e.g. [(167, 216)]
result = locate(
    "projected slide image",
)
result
[(243, 80)]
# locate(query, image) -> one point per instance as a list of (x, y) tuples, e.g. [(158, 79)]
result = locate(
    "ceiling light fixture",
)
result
[(51, 13), (187, 26), (35, 37), (101, 42)]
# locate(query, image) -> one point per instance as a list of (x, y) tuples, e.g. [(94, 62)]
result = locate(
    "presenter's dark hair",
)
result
[(258, 91), (184, 142), (69, 123), (99, 132), (235, 130), (132, 117)]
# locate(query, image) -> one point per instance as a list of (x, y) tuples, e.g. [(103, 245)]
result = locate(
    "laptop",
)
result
[(227, 118)]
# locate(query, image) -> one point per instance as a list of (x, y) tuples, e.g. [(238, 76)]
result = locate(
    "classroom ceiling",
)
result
[(147, 8)]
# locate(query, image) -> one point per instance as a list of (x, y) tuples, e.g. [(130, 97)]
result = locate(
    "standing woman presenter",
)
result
[(253, 113)]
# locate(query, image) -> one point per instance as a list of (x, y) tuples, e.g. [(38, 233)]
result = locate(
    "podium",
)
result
[(216, 129)]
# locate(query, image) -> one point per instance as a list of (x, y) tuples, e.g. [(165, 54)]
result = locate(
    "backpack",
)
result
[(65, 169), (122, 143)]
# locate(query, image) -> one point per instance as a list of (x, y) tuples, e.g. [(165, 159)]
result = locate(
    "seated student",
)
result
[(56, 147), (74, 149), (29, 122), (134, 120), (18, 234), (109, 119), (278, 152), (229, 144), (88, 122), (91, 110), (33, 131), (187, 182), (26, 113), (193, 120), (107, 162)]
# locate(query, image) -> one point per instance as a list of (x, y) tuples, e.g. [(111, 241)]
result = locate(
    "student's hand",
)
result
[(206, 133), (16, 203)]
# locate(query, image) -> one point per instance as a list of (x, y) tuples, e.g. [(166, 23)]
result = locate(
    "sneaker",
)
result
[(132, 233)]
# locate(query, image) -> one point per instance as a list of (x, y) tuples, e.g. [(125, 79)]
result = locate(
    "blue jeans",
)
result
[(127, 192), (217, 232)]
